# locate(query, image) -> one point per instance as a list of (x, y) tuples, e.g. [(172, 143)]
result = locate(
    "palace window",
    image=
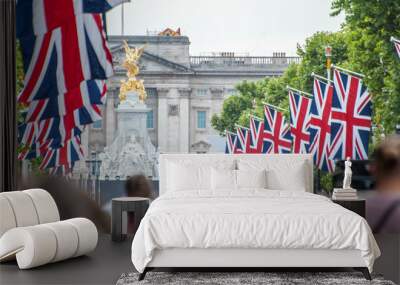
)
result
[(151, 92), (202, 92), (150, 120), (201, 119), (97, 124), (231, 91)]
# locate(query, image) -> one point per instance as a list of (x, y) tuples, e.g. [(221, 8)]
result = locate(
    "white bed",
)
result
[(202, 220)]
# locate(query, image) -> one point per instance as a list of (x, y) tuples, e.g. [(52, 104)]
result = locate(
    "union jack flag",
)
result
[(66, 61), (276, 137), (256, 135), (351, 117), (47, 15), (84, 96), (396, 45), (243, 137), (299, 121), (320, 125), (231, 139), (61, 59), (63, 156)]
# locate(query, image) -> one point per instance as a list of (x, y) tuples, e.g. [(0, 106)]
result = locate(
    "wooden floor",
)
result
[(103, 266), (106, 264)]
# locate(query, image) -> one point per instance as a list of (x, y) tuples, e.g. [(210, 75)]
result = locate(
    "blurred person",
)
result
[(71, 201), (383, 209), (137, 186)]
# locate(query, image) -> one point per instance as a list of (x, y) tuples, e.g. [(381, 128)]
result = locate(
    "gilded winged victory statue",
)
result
[(130, 63)]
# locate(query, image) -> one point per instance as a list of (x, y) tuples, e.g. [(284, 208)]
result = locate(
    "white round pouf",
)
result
[(87, 234), (45, 205), (31, 233), (7, 220), (67, 240), (33, 246), (23, 208)]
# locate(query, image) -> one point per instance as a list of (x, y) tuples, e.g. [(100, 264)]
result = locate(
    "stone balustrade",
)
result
[(242, 60)]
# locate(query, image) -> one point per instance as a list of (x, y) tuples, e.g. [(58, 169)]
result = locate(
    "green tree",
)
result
[(250, 96), (368, 27), (243, 100)]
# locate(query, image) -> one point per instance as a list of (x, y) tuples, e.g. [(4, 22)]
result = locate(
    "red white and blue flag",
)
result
[(320, 125), (231, 139), (63, 156), (256, 135), (84, 96), (299, 107), (396, 45), (276, 137), (47, 15), (243, 139), (62, 59), (351, 117), (66, 60)]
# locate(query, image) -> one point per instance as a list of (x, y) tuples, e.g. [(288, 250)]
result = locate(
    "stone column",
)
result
[(162, 125), (80, 166), (217, 99), (110, 116), (184, 141)]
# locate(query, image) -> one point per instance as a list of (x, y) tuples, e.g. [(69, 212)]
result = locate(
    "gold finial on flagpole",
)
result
[(328, 54)]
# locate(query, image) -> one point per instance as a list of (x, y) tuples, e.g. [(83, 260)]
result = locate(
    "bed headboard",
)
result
[(283, 160)]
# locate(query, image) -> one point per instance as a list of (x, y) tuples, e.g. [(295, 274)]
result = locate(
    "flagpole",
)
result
[(122, 19), (239, 126), (393, 39), (275, 107), (258, 118), (321, 77), (348, 71), (298, 91)]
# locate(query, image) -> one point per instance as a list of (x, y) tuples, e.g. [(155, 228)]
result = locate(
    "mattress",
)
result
[(250, 219)]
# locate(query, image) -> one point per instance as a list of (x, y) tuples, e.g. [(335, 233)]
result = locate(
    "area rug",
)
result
[(243, 278)]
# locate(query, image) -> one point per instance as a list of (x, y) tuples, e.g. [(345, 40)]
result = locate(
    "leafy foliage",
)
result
[(362, 45), (273, 90), (369, 26)]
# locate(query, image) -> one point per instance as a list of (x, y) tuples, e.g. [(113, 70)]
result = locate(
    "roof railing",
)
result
[(243, 60)]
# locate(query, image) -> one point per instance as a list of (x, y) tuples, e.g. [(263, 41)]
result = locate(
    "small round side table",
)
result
[(137, 205)]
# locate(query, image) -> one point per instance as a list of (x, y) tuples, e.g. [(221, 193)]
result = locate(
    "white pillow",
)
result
[(193, 174), (223, 179), (182, 177), (292, 179), (283, 172), (251, 178)]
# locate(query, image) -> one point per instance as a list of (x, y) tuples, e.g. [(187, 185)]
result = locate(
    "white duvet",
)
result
[(256, 218)]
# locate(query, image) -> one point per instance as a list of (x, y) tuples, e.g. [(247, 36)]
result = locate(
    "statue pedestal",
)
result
[(132, 117), (131, 151), (344, 194)]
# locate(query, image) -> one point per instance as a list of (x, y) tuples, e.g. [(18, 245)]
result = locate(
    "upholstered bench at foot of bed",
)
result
[(40, 244)]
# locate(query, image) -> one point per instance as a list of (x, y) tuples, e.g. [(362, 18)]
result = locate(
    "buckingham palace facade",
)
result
[(183, 91)]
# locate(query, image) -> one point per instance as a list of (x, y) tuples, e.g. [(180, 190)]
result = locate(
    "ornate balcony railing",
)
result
[(243, 60)]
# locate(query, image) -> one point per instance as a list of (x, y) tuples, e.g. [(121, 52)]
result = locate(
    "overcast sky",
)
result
[(258, 27)]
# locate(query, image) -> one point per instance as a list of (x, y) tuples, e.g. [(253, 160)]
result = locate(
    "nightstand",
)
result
[(357, 205), (137, 205)]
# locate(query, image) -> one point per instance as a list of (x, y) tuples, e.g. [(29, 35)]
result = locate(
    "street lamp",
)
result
[(93, 165), (328, 55)]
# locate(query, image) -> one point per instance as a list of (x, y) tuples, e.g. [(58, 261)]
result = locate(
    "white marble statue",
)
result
[(347, 174), (131, 152)]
